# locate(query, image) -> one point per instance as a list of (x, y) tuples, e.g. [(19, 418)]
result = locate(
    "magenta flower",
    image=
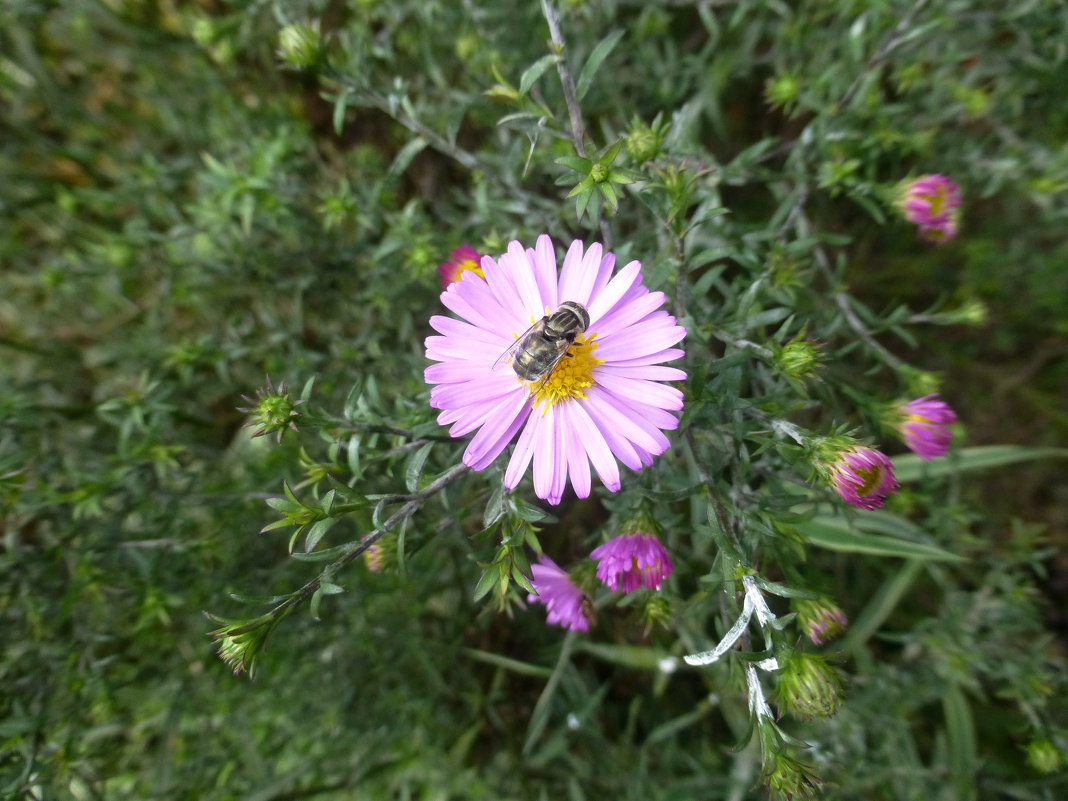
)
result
[(863, 476), (602, 402), (631, 561), (924, 426), (933, 203), (463, 259), (821, 620), (562, 599)]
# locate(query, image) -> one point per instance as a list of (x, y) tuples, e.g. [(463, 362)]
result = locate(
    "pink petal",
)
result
[(544, 461), (637, 430), (667, 355), (637, 304), (569, 272), (488, 312), (600, 454), (502, 423), (604, 273), (614, 292), (650, 372), (450, 326), (578, 466), (524, 450), (545, 270), (519, 270), (641, 391)]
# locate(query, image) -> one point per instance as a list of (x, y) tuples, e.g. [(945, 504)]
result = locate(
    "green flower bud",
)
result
[(643, 141), (274, 411), (799, 358), (809, 687), (300, 45), (1044, 756), (788, 779)]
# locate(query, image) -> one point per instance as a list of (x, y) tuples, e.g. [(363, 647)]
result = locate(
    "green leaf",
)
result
[(494, 507), (490, 576), (960, 741), (534, 71), (881, 605), (577, 163), (317, 532), (836, 534), (415, 467), (593, 63), (341, 103), (638, 657), (405, 156), (911, 468)]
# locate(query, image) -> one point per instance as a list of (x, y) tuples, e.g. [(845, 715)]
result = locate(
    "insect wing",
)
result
[(511, 349)]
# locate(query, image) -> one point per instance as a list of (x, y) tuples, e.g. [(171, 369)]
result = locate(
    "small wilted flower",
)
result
[(274, 411), (861, 475), (462, 260), (241, 642), (381, 555), (821, 620), (933, 203), (565, 602), (809, 687), (631, 561), (924, 425)]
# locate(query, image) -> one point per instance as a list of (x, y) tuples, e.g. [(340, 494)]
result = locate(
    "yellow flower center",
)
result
[(570, 376), (939, 201), (869, 479), (469, 266)]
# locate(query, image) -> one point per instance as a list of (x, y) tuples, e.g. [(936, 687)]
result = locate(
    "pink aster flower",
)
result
[(463, 259), (631, 561), (924, 425), (562, 599), (933, 203), (600, 400), (863, 476)]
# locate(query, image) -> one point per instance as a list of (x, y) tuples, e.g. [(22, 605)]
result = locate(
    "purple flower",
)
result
[(924, 426), (562, 599), (603, 402), (631, 561), (863, 476), (933, 203), (463, 259), (821, 620)]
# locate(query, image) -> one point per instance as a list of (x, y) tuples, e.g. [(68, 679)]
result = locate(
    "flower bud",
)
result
[(799, 358), (788, 779), (300, 45), (274, 411), (809, 687), (821, 620), (643, 141), (861, 475), (1044, 756), (933, 203)]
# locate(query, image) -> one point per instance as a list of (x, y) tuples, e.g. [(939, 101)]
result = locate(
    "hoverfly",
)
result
[(540, 348)]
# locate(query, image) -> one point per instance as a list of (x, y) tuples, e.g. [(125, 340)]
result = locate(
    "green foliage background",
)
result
[(183, 213)]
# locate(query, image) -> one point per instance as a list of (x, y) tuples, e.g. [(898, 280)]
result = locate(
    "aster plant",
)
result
[(680, 363)]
